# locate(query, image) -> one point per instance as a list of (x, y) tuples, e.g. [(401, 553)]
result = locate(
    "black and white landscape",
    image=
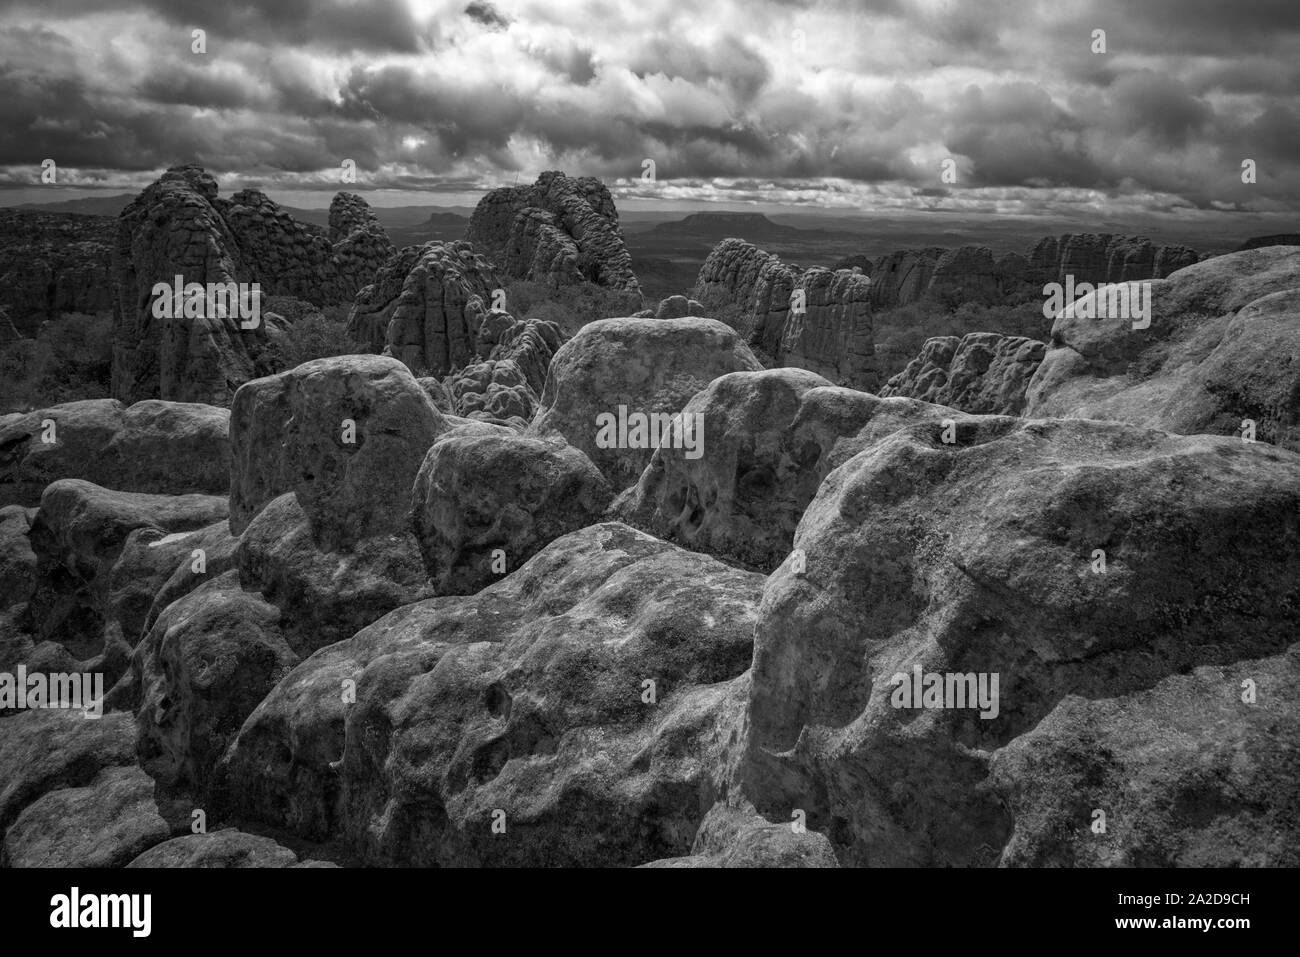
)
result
[(618, 433)]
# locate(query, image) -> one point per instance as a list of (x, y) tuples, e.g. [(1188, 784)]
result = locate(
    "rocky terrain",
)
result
[(817, 319), (559, 230), (52, 263), (974, 274), (417, 606), (180, 227)]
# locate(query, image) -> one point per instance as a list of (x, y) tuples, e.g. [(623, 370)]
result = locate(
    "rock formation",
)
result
[(643, 365), (560, 230), (502, 614), (816, 319), (151, 446), (772, 438), (973, 274), (179, 227), (457, 722), (51, 263), (429, 307), (1222, 347), (982, 373), (981, 557)]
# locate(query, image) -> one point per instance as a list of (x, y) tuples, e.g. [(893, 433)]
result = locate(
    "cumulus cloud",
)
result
[(799, 96)]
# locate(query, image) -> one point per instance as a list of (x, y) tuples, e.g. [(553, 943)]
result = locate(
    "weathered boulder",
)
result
[(739, 837), (560, 230), (772, 437), (346, 434), (983, 373), (477, 495), (646, 365), (106, 823), (1187, 773), (325, 595), (1065, 557), (677, 307), (224, 848), (17, 560), (78, 535), (47, 750), (151, 446), (207, 662), (1222, 346), (589, 697)]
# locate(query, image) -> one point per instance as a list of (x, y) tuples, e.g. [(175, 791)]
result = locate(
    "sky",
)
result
[(837, 104)]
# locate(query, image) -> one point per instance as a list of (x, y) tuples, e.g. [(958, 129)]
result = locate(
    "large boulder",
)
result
[(773, 436), (983, 373), (1222, 346), (106, 823), (49, 750), (1061, 557), (645, 365), (485, 504), (78, 535), (224, 848), (1188, 773), (326, 595), (560, 230), (151, 446), (207, 662), (346, 434), (585, 704)]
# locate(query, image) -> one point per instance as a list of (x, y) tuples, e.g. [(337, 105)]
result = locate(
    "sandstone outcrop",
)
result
[(981, 557), (151, 446), (1222, 347), (345, 434), (772, 437), (52, 263), (980, 373), (644, 365), (815, 319), (526, 704), (484, 504), (560, 230), (179, 227)]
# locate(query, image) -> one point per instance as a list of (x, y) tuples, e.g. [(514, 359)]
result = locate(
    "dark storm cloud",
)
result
[(876, 92), (340, 24), (486, 14)]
